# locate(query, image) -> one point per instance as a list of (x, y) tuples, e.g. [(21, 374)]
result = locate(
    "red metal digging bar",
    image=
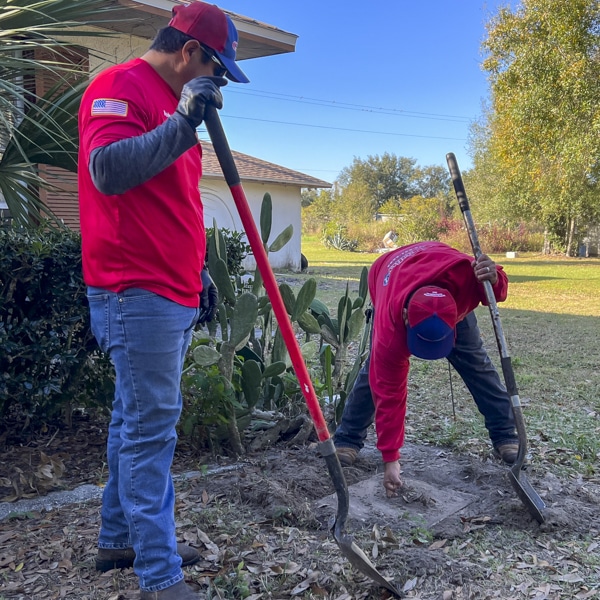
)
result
[(350, 550)]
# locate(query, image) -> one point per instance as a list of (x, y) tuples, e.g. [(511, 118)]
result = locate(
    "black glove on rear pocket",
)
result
[(209, 299)]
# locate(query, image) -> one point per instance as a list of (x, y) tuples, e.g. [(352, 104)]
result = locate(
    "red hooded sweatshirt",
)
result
[(392, 279)]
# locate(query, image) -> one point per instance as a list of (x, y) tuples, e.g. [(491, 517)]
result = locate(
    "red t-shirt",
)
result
[(392, 278), (151, 237)]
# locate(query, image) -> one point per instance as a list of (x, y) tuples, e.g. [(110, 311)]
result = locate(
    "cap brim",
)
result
[(426, 349), (234, 73)]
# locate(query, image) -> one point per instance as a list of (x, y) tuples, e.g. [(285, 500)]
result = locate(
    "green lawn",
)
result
[(542, 284), (555, 285), (324, 260)]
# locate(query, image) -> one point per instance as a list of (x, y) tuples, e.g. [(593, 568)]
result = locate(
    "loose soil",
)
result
[(456, 530)]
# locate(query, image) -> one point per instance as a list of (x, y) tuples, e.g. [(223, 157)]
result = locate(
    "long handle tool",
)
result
[(526, 493), (349, 549)]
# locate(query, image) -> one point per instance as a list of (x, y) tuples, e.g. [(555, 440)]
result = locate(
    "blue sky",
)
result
[(394, 76)]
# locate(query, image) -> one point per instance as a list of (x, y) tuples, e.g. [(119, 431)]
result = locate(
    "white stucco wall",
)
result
[(286, 201)]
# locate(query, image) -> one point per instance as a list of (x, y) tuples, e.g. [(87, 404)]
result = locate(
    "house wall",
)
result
[(111, 49), (286, 200), (62, 199)]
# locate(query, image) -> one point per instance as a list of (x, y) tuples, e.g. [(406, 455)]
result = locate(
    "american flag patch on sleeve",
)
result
[(106, 106)]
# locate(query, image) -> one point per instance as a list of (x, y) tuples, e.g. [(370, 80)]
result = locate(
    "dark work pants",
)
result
[(471, 362)]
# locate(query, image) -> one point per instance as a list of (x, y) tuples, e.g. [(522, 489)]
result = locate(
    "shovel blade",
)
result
[(530, 498), (357, 558), (360, 561)]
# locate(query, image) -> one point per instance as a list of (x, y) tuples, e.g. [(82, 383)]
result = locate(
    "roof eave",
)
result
[(143, 18)]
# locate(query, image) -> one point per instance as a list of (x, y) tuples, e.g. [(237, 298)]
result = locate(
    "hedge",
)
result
[(50, 363)]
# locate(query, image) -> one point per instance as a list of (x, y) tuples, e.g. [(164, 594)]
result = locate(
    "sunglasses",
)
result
[(222, 69)]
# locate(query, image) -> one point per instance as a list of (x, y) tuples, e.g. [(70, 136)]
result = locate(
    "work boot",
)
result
[(346, 456), (179, 591), (109, 558), (507, 451)]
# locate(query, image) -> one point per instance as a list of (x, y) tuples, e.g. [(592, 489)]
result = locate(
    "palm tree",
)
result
[(41, 129)]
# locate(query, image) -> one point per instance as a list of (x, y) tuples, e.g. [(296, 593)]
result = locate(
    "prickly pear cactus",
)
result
[(253, 370), (243, 319), (252, 378), (340, 331)]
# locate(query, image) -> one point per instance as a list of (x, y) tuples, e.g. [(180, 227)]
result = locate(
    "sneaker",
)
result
[(507, 451), (108, 558), (179, 591), (346, 456)]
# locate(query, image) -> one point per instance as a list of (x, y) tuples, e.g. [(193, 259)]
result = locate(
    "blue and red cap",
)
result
[(208, 24), (432, 318)]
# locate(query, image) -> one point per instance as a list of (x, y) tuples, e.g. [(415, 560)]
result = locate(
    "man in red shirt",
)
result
[(143, 245), (423, 299)]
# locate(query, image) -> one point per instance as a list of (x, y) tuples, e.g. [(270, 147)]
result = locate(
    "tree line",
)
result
[(535, 149), (390, 194)]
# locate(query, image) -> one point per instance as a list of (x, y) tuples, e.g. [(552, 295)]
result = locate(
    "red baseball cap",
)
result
[(208, 24), (432, 317)]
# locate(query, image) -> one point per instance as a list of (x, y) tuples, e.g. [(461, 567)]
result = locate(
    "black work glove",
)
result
[(196, 94), (209, 298)]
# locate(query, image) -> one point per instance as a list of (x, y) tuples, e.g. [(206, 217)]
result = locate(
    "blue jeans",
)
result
[(471, 362), (146, 337)]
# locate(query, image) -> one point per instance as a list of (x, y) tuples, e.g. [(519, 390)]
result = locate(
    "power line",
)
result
[(398, 112), (347, 106), (414, 135)]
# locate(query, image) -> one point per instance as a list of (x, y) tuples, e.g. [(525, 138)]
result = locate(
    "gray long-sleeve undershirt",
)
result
[(123, 165)]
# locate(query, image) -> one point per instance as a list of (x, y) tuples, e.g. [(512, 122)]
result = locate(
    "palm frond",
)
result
[(42, 130), (54, 18), (48, 134), (26, 26), (19, 185)]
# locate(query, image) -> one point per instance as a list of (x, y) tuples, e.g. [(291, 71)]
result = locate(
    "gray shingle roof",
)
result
[(251, 168)]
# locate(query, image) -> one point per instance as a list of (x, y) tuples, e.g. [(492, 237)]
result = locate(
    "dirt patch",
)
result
[(476, 490), (457, 530)]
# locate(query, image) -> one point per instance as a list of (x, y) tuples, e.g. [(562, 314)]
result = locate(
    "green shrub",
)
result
[(335, 236), (454, 233), (237, 248), (49, 360), (419, 220), (318, 209), (494, 238), (370, 235)]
